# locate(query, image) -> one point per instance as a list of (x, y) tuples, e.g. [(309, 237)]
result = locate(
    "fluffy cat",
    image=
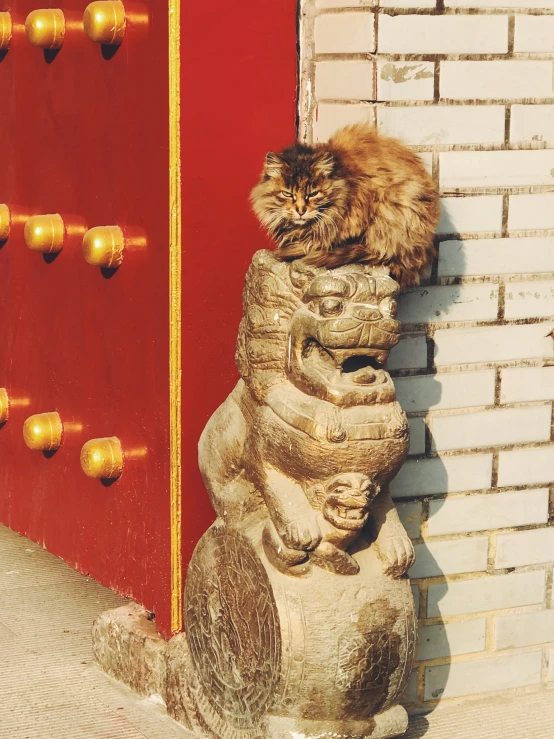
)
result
[(360, 197)]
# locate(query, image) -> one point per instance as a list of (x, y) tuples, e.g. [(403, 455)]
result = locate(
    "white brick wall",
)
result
[(532, 122), (470, 86), (523, 630), (445, 124), (534, 33), (434, 559), (483, 676), (496, 168), (496, 80), (525, 548), (483, 512), (528, 212), (527, 383), (526, 466), (443, 640), (443, 34), (493, 344), (469, 214), (446, 391), (347, 33), (443, 475), (496, 256), (486, 594), (405, 80), (491, 428)]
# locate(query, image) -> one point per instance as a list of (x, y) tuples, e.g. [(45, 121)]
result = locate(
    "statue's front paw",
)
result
[(397, 555), (302, 533)]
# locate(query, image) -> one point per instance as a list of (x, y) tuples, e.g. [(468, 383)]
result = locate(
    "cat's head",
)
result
[(300, 190)]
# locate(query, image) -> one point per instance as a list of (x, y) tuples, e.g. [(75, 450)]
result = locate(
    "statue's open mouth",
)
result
[(357, 366)]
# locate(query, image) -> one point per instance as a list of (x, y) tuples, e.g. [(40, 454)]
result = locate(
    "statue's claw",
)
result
[(303, 533), (397, 555)]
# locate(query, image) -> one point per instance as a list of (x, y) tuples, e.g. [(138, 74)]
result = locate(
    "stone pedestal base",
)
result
[(127, 646)]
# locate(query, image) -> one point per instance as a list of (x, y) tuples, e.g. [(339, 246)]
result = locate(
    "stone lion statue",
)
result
[(311, 435)]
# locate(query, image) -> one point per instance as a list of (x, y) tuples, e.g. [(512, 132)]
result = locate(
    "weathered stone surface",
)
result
[(128, 647)]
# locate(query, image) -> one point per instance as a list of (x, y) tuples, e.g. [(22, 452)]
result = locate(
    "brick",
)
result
[(405, 80), (496, 80), (444, 475), (409, 353), (483, 675), (520, 548), (534, 33), (531, 299), (409, 695), (491, 428), (532, 122), (417, 436), (449, 303), (496, 168), (345, 33), (496, 256), (443, 34), (484, 512), (498, 3), (323, 4), (524, 630), (460, 390), (330, 117), (445, 640), (486, 594), (526, 466), (551, 665), (435, 558), (470, 214), (527, 212), (444, 124), (346, 80), (527, 383), (410, 515), (492, 344)]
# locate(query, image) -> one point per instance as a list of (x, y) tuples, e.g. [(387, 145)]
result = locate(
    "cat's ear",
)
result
[(324, 164), (273, 164)]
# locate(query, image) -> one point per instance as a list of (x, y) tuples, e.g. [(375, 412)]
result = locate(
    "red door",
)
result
[(91, 133)]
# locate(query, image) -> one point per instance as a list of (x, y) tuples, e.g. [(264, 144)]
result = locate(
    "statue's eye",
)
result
[(331, 307), (286, 194), (313, 194)]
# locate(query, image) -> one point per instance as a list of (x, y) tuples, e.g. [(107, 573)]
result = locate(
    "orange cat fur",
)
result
[(360, 197)]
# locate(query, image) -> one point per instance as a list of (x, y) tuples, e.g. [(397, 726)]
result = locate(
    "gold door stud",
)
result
[(45, 233), (5, 31), (103, 246), (102, 458), (4, 405), (43, 432), (5, 221), (104, 22), (45, 28)]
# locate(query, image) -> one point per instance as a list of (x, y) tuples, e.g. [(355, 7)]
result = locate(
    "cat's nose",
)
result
[(300, 209)]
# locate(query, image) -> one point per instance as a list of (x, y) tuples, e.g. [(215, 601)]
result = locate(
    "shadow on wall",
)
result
[(421, 310)]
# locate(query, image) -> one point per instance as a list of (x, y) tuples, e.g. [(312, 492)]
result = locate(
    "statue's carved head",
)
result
[(327, 331), (348, 500)]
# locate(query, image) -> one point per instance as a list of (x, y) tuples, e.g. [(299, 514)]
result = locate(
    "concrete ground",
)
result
[(51, 689)]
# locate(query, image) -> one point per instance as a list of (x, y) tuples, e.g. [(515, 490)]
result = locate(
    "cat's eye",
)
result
[(286, 194), (313, 194)]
